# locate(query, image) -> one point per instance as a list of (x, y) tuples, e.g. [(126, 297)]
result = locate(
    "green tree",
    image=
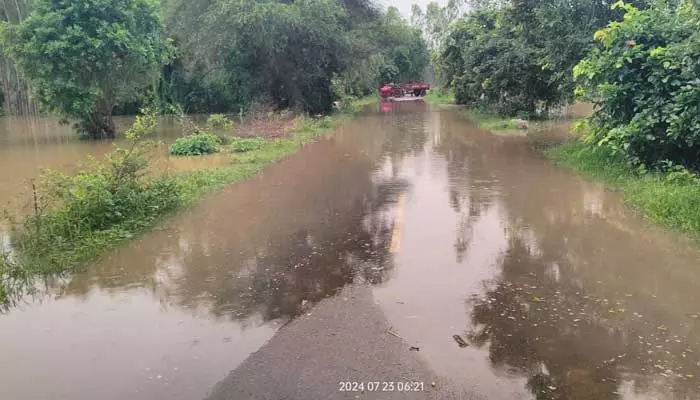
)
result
[(14, 86), (84, 57), (300, 54), (516, 56), (644, 79)]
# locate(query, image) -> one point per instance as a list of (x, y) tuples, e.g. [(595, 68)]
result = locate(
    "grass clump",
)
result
[(242, 145), (670, 198), (196, 145), (219, 122), (440, 96), (492, 122)]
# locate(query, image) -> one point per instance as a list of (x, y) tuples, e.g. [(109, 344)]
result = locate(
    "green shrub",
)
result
[(195, 145), (644, 81), (219, 122), (76, 216), (242, 145), (325, 122)]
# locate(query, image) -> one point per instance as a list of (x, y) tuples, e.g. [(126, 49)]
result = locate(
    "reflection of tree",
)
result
[(281, 281), (470, 194), (275, 246), (558, 312), (552, 338)]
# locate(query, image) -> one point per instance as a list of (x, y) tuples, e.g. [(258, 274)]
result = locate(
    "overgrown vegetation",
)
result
[(76, 216), (221, 56), (242, 145), (643, 136), (219, 122), (645, 81)]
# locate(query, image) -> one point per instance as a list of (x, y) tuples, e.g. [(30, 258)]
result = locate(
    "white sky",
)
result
[(405, 5)]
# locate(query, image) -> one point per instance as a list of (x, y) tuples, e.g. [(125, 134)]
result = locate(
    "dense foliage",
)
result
[(89, 58), (14, 98), (645, 80), (83, 57), (516, 57), (302, 54)]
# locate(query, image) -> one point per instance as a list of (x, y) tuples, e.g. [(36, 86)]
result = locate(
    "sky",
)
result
[(405, 5)]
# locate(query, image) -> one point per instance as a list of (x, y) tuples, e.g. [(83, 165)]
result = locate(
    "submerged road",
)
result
[(409, 255)]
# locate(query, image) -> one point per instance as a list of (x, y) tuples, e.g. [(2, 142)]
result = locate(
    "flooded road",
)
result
[(360, 259)]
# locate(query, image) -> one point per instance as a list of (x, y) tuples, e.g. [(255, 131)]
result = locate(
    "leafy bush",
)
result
[(219, 122), (325, 122), (101, 204), (195, 145), (645, 81), (242, 145)]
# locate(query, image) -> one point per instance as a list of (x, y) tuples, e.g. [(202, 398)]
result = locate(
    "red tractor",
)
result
[(417, 89)]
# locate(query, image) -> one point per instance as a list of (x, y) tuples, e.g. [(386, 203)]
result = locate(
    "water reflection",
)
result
[(589, 301), (273, 247), (561, 291), (218, 280)]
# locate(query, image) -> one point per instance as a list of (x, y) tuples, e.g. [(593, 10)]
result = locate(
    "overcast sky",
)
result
[(405, 5)]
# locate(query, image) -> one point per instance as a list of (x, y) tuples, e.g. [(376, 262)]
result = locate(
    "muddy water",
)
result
[(559, 291), (28, 145)]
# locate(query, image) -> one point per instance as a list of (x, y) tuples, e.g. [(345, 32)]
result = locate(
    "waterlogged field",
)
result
[(75, 217)]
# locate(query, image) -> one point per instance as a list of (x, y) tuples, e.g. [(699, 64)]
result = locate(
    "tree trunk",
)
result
[(97, 126)]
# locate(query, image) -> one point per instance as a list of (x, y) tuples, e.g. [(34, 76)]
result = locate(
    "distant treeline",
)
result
[(88, 59)]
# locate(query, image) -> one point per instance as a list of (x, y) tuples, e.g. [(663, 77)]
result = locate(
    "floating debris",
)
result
[(461, 342), (393, 333)]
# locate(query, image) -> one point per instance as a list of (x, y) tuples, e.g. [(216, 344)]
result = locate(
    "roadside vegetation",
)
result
[(643, 136), (77, 218), (670, 198)]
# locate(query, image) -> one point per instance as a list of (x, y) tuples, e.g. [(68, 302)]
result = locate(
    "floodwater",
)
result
[(558, 289), (29, 145)]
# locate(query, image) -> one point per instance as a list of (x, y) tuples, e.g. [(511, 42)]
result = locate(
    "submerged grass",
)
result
[(440, 96), (497, 124), (671, 198), (78, 218)]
